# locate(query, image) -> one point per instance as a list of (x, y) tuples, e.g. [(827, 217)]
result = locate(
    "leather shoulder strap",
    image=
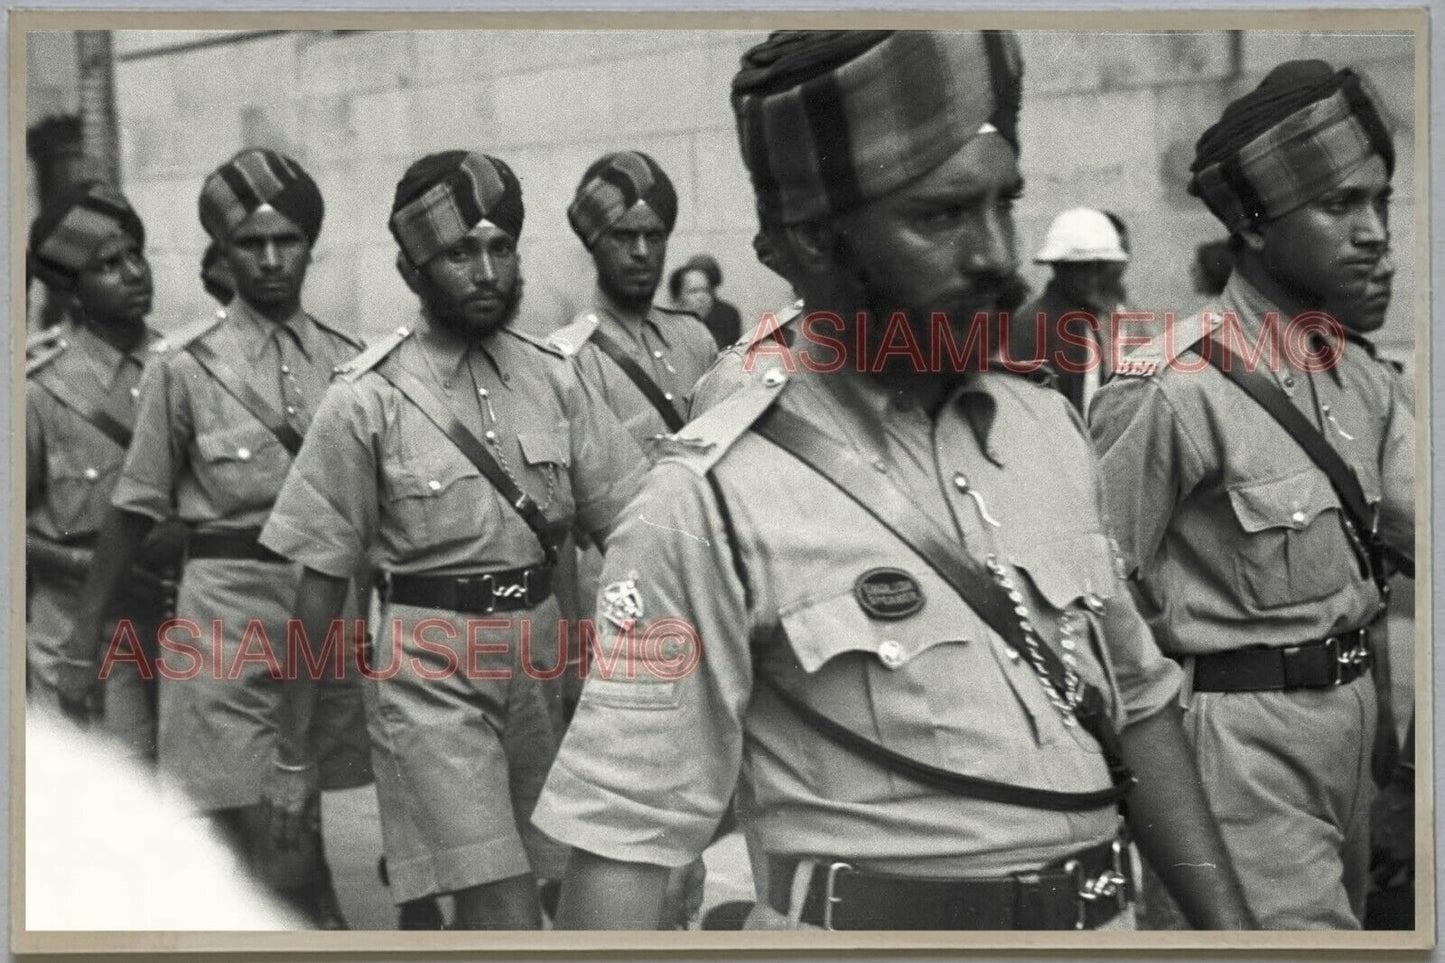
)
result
[(440, 414), (79, 396), (350, 339), (41, 357), (655, 396), (240, 388), (186, 333), (895, 511), (1278, 405)]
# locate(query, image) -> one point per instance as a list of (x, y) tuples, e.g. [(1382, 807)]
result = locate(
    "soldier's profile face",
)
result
[(268, 256), (115, 287), (943, 243), (472, 286), (629, 256), (1333, 252)]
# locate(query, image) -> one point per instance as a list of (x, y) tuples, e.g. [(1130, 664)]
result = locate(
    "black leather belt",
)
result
[(240, 543), (1081, 891), (482, 594), (1337, 660)]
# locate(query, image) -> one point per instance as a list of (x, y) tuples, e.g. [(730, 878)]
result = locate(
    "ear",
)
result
[(408, 273), (812, 244), (1251, 236)]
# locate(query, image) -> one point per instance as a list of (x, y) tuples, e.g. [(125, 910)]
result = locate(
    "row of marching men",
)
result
[(955, 657)]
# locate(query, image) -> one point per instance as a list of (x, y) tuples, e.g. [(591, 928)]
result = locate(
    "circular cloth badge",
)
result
[(888, 593)]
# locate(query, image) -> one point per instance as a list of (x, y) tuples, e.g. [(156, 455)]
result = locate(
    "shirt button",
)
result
[(290, 409), (1289, 381), (447, 383), (1299, 519), (890, 653), (243, 453), (1012, 653), (490, 436), (1094, 602), (960, 481), (135, 392), (286, 369), (657, 354), (91, 474), (434, 485), (667, 395), (880, 465), (774, 379)]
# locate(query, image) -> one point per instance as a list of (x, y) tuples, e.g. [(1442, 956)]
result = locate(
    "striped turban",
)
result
[(443, 196), (65, 236), (830, 119), (1303, 130), (612, 186), (254, 177)]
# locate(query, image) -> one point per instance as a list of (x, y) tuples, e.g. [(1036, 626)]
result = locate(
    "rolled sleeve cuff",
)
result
[(1151, 690), (587, 816), (328, 554), (139, 498)]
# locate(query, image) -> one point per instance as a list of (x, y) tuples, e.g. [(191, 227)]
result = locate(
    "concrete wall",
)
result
[(1109, 120)]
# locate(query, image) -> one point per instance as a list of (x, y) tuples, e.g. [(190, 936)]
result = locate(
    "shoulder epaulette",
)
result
[(702, 442), (683, 311), (371, 357), (44, 339), (535, 341), (1167, 344), (570, 338), (186, 333), (780, 319), (45, 355), (350, 339)]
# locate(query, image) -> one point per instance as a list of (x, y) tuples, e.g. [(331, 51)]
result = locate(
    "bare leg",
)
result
[(509, 904)]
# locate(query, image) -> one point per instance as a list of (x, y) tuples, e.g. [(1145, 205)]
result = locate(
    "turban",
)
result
[(612, 186), (443, 196), (828, 120), (64, 236), (1303, 130), (254, 177), (216, 275)]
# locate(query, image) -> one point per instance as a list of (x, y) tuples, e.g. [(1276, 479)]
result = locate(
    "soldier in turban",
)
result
[(1260, 520), (907, 650)]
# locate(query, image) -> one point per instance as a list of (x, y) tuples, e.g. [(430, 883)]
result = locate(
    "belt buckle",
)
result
[(489, 584), (829, 887), (1358, 654), (527, 587), (1108, 884)]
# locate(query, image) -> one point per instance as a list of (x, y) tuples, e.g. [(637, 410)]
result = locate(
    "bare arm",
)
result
[(1172, 823), (604, 894), (54, 558)]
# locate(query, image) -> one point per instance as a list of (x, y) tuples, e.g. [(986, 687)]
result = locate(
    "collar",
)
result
[(447, 353), (867, 404), (104, 359), (256, 330), (629, 319), (1251, 306)]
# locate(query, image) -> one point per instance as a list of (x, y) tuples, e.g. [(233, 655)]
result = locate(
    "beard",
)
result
[(456, 320)]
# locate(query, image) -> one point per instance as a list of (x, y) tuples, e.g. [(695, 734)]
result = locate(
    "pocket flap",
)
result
[(824, 628), (1070, 569), (238, 443), (431, 476), (1290, 502), (539, 448)]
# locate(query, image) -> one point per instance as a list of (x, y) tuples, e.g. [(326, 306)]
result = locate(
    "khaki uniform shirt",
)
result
[(71, 466), (198, 454), (649, 764), (673, 347), (379, 475), (1233, 536)]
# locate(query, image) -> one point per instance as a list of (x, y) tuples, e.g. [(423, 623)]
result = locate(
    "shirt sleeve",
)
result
[(1147, 462), (1147, 680), (606, 465), (157, 452), (649, 763), (326, 515), (1397, 472)]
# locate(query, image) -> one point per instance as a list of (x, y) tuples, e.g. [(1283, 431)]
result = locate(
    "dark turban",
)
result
[(612, 186), (1303, 130), (443, 196), (831, 119), (65, 236), (254, 177)]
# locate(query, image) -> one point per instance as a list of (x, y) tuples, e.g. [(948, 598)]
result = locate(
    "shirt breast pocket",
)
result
[(436, 498), (1290, 551), (931, 685), (547, 457), (78, 485), (240, 467)]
